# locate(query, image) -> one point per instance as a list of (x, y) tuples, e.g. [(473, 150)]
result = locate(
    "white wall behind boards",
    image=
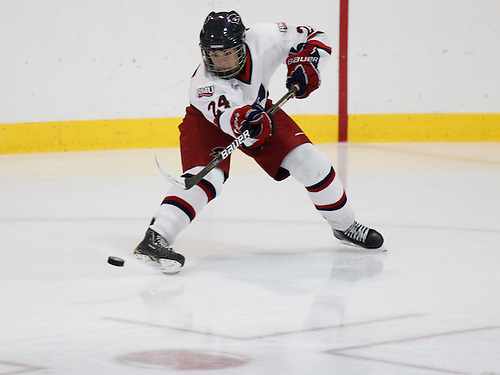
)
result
[(115, 59), (424, 56), (97, 59)]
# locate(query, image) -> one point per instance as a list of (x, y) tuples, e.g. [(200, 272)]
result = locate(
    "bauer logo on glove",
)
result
[(302, 65), (299, 59)]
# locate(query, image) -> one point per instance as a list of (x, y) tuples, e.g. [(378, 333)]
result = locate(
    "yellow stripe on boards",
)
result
[(163, 132), (319, 128), (89, 135), (467, 127)]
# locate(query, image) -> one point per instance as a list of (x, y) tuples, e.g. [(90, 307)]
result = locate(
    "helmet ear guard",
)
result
[(222, 31)]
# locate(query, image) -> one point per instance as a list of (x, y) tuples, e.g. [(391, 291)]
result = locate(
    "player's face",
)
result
[(224, 60)]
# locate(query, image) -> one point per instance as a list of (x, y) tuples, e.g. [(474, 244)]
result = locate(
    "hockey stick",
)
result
[(188, 182)]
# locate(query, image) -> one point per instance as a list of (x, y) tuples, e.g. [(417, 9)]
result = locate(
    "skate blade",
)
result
[(169, 266), (147, 260), (381, 249)]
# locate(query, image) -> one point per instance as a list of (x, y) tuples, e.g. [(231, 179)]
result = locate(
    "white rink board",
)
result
[(72, 60)]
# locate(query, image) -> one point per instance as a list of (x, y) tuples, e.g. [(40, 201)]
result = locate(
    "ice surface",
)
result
[(266, 288)]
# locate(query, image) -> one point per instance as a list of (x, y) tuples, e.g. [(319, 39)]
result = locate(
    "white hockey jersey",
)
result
[(268, 46)]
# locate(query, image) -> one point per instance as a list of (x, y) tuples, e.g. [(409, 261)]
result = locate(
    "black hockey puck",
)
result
[(115, 261)]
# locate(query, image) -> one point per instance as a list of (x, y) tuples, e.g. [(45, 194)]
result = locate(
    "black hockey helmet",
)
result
[(222, 31)]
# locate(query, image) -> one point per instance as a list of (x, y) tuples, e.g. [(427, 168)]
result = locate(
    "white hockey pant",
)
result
[(305, 163), (180, 206), (312, 168)]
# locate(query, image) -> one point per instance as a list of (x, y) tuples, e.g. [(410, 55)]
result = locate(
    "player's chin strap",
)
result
[(188, 182)]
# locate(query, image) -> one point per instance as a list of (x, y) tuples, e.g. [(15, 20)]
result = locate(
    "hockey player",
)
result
[(228, 95)]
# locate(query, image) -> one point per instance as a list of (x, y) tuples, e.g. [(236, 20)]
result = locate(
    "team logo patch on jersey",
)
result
[(282, 27), (205, 91), (235, 86)]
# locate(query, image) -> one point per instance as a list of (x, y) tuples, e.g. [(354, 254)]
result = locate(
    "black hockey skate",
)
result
[(156, 248), (360, 236)]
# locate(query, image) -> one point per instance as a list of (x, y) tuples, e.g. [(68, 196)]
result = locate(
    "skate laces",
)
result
[(162, 244), (159, 243), (357, 232)]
